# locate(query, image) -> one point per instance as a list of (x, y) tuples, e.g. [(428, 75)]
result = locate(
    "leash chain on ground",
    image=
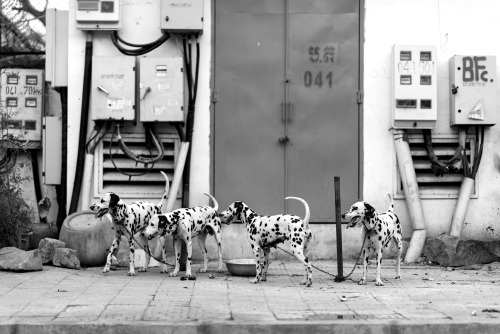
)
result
[(337, 278), (146, 249)]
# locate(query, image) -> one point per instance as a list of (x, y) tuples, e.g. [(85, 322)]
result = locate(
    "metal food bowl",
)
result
[(241, 267)]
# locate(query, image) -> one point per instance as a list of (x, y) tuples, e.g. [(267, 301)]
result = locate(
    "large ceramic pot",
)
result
[(91, 237)]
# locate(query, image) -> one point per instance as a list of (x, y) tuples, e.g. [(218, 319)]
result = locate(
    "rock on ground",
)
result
[(452, 251), (47, 247), (66, 257), (15, 259)]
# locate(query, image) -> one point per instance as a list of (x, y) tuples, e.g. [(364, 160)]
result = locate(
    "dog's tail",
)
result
[(391, 206), (307, 216), (163, 201), (216, 205)]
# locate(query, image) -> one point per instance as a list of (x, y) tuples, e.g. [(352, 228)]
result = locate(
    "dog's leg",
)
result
[(163, 266), (202, 237), (265, 264), (131, 270), (399, 244), (364, 253), (218, 239), (258, 264), (177, 249), (144, 242), (189, 246), (298, 252), (378, 281), (112, 250)]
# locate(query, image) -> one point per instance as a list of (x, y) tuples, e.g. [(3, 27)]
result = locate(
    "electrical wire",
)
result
[(140, 49), (141, 158), (116, 166)]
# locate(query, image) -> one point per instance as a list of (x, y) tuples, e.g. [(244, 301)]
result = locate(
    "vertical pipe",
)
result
[(179, 168), (87, 177), (338, 225), (412, 196), (466, 189)]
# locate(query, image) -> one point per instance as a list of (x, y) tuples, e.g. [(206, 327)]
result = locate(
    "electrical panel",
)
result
[(52, 150), (414, 87), (161, 89), (182, 16), (473, 98), (21, 102), (113, 87), (97, 14)]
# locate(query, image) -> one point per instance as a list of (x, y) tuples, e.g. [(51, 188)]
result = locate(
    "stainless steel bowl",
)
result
[(241, 267)]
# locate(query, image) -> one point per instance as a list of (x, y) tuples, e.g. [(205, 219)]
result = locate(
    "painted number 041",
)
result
[(318, 79)]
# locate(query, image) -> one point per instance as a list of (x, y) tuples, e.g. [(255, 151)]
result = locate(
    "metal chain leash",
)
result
[(337, 278), (146, 249)]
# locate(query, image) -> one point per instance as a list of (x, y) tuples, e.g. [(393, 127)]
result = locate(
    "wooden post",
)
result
[(338, 225)]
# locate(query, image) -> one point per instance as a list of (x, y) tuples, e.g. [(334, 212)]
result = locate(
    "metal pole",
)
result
[(338, 225)]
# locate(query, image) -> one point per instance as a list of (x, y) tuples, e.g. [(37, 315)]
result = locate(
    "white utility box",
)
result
[(182, 16), (97, 14), (161, 89), (473, 98), (414, 87), (52, 150), (21, 102), (113, 87)]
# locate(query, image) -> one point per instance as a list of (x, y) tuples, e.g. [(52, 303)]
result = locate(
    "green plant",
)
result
[(15, 221)]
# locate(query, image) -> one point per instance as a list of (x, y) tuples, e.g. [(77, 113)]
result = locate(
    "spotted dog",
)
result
[(128, 219), (185, 224), (265, 232), (379, 229)]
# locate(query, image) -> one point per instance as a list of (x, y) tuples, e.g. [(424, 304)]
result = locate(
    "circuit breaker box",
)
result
[(113, 83), (21, 102), (473, 98), (161, 89), (414, 87), (97, 14), (182, 15)]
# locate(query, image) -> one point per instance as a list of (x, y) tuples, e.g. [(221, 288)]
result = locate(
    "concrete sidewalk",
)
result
[(428, 299)]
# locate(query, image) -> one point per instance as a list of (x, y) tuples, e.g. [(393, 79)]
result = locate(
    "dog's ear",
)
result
[(369, 210), (162, 221), (113, 200)]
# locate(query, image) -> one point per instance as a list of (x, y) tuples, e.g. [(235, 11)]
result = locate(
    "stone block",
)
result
[(47, 247), (15, 259), (452, 251), (66, 258)]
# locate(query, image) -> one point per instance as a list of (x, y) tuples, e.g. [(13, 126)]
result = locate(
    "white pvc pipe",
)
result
[(412, 196), (457, 221), (179, 168), (86, 183)]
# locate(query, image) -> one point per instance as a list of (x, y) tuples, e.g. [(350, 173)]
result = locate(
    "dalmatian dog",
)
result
[(185, 224), (128, 219), (379, 229), (265, 232)]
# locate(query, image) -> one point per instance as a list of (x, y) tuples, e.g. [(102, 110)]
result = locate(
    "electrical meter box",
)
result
[(161, 89), (21, 102), (97, 14), (112, 90), (473, 98), (182, 15), (414, 87)]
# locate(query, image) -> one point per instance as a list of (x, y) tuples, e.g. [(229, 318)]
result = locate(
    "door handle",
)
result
[(284, 140)]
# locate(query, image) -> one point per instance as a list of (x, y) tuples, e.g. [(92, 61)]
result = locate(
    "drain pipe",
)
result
[(412, 196), (87, 76), (466, 189)]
